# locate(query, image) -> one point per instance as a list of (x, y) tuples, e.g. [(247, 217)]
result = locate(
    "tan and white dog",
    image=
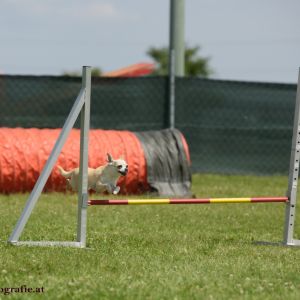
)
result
[(101, 179)]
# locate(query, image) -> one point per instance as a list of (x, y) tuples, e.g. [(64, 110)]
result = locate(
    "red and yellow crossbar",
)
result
[(187, 201)]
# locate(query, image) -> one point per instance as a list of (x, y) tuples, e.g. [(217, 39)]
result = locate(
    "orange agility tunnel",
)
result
[(24, 152)]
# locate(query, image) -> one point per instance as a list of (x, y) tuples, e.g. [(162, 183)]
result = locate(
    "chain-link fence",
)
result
[(231, 127), (236, 127)]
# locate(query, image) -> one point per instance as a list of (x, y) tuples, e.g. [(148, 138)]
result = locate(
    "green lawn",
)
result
[(156, 252)]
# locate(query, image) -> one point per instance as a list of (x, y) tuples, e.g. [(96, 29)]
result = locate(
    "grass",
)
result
[(156, 252)]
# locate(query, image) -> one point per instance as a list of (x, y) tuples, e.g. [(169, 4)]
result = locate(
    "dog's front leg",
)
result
[(116, 190), (113, 189)]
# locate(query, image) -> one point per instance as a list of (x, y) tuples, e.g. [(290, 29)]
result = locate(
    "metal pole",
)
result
[(293, 176), (172, 89), (176, 53), (37, 190), (83, 168), (177, 34)]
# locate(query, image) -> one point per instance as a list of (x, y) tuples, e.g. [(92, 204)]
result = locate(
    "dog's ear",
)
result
[(109, 158)]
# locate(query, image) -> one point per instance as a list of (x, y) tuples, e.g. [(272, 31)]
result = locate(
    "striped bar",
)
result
[(187, 201)]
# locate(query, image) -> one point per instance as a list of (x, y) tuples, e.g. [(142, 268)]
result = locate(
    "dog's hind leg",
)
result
[(70, 186)]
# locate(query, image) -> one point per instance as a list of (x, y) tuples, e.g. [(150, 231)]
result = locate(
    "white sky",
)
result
[(257, 40)]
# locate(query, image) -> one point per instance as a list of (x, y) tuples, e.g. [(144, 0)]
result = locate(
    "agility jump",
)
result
[(187, 201), (82, 107)]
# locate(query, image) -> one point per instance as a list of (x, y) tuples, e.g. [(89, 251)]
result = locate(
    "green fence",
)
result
[(231, 127)]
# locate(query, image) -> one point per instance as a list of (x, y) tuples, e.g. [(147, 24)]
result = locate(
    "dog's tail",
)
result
[(64, 173)]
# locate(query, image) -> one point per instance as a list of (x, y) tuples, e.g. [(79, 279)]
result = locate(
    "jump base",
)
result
[(48, 243), (294, 243)]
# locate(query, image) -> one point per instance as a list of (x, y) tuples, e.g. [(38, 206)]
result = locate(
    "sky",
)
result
[(257, 40)]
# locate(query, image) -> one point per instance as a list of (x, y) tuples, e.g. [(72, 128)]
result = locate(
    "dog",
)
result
[(101, 179)]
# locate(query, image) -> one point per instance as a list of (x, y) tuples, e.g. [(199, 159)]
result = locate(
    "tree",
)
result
[(95, 72), (194, 64)]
